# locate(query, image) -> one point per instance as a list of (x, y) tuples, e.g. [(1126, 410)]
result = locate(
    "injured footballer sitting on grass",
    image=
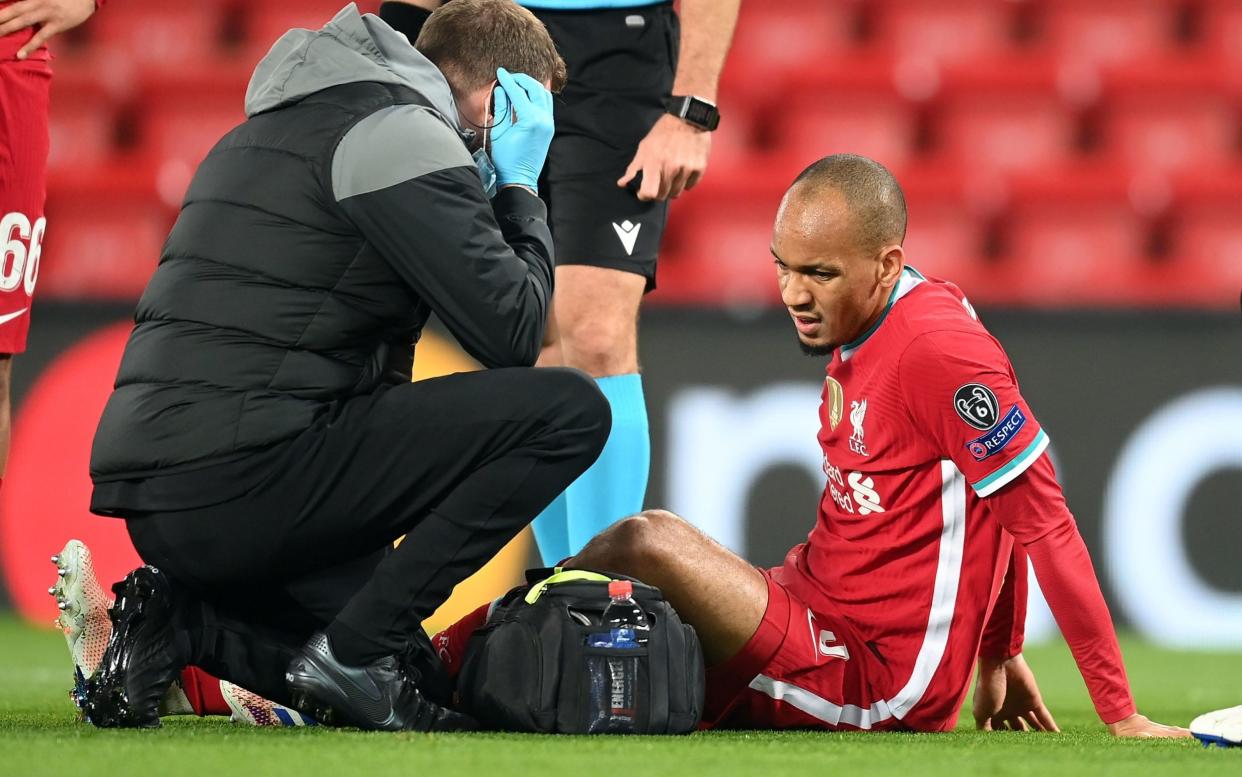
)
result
[(939, 490)]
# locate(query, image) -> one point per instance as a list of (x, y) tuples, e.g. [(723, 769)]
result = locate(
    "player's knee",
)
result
[(642, 543), (662, 521)]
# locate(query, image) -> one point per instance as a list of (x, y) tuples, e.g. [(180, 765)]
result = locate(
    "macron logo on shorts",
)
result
[(628, 232)]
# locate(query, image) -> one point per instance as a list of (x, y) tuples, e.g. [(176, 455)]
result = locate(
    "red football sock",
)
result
[(203, 691), (450, 644)]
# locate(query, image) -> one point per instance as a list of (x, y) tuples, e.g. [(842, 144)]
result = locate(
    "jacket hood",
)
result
[(352, 48)]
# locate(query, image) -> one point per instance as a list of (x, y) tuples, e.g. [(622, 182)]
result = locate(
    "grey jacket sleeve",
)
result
[(406, 180)]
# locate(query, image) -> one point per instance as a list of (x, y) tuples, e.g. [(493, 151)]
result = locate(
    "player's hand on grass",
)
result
[(50, 16), (672, 158), (1006, 697), (1139, 726)]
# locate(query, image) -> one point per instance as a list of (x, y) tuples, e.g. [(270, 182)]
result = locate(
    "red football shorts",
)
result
[(24, 91), (803, 668)]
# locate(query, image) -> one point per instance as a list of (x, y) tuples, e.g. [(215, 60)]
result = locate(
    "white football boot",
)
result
[(251, 709), (83, 617), (85, 621), (1222, 728)]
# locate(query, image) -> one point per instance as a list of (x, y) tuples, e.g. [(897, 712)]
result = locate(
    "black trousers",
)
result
[(459, 465)]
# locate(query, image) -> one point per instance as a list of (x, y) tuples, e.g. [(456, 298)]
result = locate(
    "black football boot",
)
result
[(380, 696), (142, 657), (424, 667)]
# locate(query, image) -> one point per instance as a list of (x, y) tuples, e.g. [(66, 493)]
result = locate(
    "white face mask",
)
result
[(483, 162), (487, 172)]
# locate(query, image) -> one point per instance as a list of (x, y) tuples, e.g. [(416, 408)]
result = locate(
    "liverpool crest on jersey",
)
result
[(836, 402), (858, 412)]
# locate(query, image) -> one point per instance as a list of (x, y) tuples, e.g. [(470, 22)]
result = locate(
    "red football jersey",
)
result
[(921, 420)]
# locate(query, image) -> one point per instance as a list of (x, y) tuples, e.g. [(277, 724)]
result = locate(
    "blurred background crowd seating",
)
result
[(1055, 153)]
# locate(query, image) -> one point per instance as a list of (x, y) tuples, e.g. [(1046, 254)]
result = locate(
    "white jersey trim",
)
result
[(818, 707), (935, 640), (944, 593), (1005, 475)]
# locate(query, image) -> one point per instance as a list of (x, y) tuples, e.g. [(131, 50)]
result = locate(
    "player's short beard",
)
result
[(815, 350)]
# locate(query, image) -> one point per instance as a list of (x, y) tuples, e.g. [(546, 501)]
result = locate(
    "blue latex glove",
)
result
[(523, 129)]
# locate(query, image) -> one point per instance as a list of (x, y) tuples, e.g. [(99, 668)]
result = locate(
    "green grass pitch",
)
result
[(39, 735)]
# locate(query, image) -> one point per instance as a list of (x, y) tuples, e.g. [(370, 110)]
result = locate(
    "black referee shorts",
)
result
[(621, 65)]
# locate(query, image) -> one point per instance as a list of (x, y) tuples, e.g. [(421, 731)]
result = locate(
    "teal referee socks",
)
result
[(613, 487)]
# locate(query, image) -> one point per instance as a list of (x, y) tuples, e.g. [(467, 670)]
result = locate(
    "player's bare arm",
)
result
[(52, 17), (673, 156)]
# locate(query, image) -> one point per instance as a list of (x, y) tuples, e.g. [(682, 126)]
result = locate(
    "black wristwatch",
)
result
[(695, 111)]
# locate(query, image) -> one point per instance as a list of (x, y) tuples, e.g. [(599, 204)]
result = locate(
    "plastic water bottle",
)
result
[(614, 678), (624, 619)]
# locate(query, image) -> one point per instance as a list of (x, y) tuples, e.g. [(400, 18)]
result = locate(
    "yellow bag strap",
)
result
[(559, 576)]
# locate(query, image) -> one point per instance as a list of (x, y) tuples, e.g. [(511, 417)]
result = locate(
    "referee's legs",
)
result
[(596, 331)]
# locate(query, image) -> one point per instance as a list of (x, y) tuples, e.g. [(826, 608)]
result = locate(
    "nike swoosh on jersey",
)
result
[(10, 316)]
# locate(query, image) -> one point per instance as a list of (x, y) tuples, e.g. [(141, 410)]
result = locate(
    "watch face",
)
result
[(702, 113), (694, 111)]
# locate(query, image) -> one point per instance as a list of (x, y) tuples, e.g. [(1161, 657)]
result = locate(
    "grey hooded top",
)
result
[(314, 241)]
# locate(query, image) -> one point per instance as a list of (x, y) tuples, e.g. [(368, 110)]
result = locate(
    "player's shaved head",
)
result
[(869, 192), (837, 245)]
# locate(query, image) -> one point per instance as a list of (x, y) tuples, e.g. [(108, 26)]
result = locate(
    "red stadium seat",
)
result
[(104, 236), (267, 20), (942, 30), (1108, 31), (945, 234), (1170, 115), (1073, 238), (1207, 239), (1221, 26), (734, 143), (848, 106), (181, 120), (718, 245), (776, 37), (1005, 115), (168, 36), (82, 124)]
